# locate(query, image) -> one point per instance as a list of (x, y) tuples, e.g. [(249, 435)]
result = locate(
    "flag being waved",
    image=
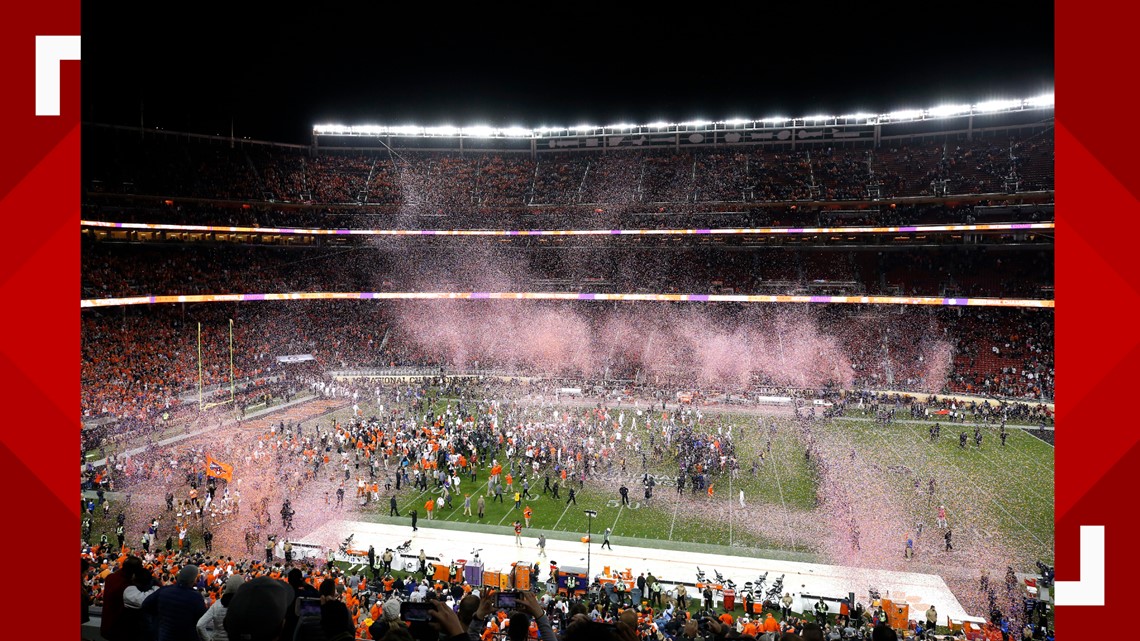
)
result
[(219, 469)]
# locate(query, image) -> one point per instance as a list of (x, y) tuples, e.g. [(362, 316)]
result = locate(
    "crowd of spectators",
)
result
[(446, 264), (177, 595), (570, 448), (690, 216), (140, 362), (423, 182)]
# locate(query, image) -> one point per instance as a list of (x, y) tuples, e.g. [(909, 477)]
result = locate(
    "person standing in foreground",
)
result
[(211, 626), (176, 609)]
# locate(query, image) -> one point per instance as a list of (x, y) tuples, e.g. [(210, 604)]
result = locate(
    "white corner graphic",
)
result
[(50, 50), (1090, 589)]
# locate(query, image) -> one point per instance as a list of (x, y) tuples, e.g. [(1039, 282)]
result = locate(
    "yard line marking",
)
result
[(950, 465), (730, 510), (676, 505), (560, 516), (989, 496), (787, 525), (509, 510), (414, 501), (997, 464)]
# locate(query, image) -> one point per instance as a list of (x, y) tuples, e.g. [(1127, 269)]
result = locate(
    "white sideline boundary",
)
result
[(669, 566)]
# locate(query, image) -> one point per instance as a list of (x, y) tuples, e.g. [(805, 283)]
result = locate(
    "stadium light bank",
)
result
[(1041, 102)]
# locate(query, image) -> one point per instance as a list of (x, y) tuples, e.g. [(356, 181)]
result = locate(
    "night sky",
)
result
[(275, 79)]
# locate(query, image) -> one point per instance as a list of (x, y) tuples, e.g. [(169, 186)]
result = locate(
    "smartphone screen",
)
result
[(414, 612), (507, 600), (310, 607)]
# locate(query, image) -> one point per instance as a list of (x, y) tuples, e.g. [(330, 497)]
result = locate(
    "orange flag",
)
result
[(219, 469)]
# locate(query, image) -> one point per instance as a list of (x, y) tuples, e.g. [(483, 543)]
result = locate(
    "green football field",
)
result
[(997, 498)]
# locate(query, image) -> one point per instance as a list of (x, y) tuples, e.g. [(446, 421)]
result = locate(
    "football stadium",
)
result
[(706, 327), (708, 378)]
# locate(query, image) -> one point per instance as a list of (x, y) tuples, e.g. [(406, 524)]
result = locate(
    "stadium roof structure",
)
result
[(998, 106)]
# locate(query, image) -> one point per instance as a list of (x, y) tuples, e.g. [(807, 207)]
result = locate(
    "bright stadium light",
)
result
[(991, 106), (905, 114), (478, 131), (1044, 101), (945, 111)]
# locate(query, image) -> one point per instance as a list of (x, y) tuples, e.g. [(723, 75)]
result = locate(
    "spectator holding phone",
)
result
[(336, 622)]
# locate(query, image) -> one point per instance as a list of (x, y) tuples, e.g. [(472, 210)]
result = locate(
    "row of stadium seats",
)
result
[(153, 269), (422, 182)]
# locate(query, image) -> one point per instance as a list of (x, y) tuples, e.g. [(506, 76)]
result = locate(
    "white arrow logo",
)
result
[(50, 50), (1090, 589)]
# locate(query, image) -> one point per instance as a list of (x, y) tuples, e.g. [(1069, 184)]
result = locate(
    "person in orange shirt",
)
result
[(430, 507), (726, 619), (491, 632), (527, 514), (751, 629), (770, 624)]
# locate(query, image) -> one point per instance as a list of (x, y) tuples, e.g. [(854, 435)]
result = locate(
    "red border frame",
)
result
[(1098, 348), (39, 202)]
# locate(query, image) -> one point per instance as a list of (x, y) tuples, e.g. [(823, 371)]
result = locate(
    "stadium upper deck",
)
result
[(692, 165)]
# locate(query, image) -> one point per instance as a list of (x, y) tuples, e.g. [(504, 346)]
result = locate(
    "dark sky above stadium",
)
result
[(274, 80)]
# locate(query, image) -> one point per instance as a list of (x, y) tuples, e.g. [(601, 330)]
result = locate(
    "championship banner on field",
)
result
[(219, 469)]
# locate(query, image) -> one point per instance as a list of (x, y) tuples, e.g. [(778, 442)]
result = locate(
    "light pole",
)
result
[(590, 514)]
